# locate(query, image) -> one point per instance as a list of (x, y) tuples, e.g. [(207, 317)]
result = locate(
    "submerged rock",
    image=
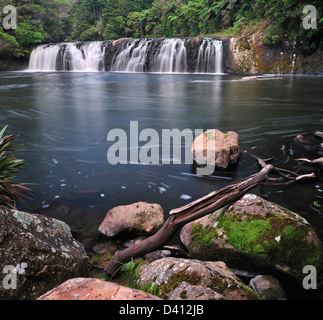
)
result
[(267, 287), (56, 209), (42, 251), (163, 276), (309, 145), (139, 218), (216, 148), (253, 234), (94, 289)]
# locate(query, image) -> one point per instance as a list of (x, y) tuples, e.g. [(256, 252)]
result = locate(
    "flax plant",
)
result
[(10, 191)]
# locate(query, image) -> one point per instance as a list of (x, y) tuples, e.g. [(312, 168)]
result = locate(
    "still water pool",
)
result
[(64, 118)]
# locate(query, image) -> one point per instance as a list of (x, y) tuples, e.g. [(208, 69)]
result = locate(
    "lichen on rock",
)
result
[(141, 218), (165, 275), (45, 246)]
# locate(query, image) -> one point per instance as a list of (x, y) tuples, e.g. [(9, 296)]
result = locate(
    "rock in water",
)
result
[(94, 289), (253, 234), (216, 148), (267, 287), (140, 218), (42, 252), (165, 275)]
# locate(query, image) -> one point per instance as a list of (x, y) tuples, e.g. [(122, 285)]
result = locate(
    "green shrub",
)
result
[(10, 191)]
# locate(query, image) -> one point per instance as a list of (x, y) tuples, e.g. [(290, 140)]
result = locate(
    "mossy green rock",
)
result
[(208, 279), (253, 234)]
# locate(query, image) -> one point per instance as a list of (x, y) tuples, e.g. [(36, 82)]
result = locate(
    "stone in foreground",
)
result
[(165, 275), (253, 234), (141, 218), (42, 252), (94, 289)]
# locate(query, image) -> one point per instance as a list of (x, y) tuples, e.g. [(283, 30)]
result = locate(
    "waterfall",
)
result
[(210, 56), (44, 57), (171, 57), (130, 55), (133, 56), (68, 56)]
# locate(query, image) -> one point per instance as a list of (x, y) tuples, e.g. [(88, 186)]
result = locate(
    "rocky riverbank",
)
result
[(252, 249), (253, 237)]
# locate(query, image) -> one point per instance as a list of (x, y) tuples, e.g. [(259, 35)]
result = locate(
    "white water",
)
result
[(44, 58), (210, 56), (139, 55), (68, 56), (131, 58), (171, 57)]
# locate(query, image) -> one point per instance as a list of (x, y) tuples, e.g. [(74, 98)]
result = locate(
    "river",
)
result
[(63, 119)]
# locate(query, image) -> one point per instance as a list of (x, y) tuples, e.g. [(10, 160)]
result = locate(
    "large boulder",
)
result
[(216, 148), (39, 251), (254, 234), (163, 276), (140, 218), (94, 289)]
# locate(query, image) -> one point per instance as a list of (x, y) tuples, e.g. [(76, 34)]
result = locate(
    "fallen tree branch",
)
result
[(190, 212), (318, 161)]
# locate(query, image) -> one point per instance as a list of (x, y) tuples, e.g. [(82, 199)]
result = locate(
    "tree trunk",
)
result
[(190, 212)]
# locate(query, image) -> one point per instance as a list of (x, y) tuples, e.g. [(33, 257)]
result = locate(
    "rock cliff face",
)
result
[(248, 55)]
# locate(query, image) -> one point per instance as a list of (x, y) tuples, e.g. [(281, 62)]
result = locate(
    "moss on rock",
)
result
[(254, 233)]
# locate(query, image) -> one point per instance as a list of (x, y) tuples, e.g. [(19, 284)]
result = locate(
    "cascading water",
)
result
[(132, 57), (44, 57), (68, 56), (210, 56), (171, 57), (129, 55)]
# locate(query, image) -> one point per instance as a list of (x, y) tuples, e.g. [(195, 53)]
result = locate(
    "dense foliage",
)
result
[(41, 21), (281, 20), (38, 21)]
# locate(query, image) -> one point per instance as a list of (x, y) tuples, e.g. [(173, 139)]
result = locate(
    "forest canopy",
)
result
[(40, 21)]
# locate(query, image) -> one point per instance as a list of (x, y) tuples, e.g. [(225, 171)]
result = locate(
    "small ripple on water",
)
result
[(13, 86)]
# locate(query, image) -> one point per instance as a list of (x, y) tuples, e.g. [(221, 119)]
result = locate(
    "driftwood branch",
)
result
[(318, 161), (192, 211)]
